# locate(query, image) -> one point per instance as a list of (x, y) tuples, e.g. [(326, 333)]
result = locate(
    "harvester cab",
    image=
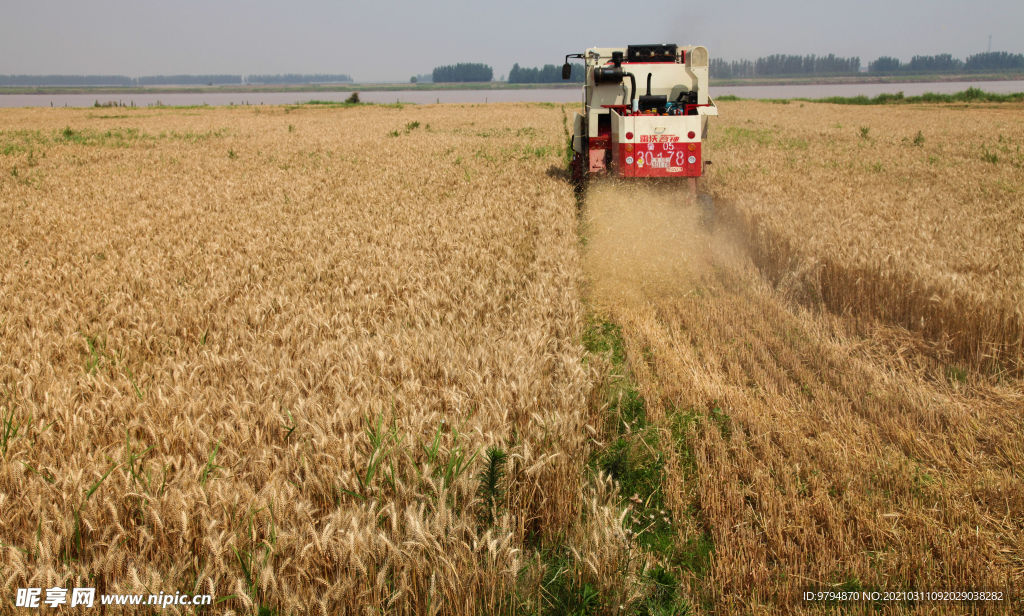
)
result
[(645, 113)]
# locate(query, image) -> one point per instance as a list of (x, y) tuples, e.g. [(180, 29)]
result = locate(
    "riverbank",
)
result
[(264, 89), (493, 85), (564, 95)]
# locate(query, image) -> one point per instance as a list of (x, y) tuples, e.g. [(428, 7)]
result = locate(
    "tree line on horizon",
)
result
[(167, 80), (464, 72), (779, 64), (294, 78), (946, 63), (773, 65), (550, 73)]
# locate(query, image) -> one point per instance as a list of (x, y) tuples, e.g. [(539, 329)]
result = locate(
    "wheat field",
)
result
[(262, 353), (334, 359), (913, 214)]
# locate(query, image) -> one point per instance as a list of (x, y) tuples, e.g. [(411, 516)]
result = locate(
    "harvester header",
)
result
[(645, 112)]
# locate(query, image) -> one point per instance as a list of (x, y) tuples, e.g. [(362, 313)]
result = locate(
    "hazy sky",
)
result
[(378, 41)]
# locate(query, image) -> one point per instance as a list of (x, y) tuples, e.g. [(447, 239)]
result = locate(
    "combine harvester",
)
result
[(656, 134)]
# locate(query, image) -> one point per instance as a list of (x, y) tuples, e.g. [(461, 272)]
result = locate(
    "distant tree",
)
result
[(885, 64), (737, 69), (189, 80), (462, 73), (942, 63), (831, 64), (292, 78), (780, 64), (743, 68), (720, 69), (425, 78), (946, 63), (549, 74), (412, 79), (994, 61), (66, 80)]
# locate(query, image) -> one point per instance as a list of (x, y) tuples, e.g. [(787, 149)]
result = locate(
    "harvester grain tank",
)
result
[(645, 113)]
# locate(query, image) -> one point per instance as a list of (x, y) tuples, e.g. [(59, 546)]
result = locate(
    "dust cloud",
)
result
[(648, 241)]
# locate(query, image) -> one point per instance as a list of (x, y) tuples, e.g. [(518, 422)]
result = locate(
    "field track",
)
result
[(334, 359)]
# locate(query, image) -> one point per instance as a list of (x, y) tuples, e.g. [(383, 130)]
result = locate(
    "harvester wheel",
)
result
[(707, 211)]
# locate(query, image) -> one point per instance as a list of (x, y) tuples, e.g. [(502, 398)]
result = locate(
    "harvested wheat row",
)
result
[(803, 454)]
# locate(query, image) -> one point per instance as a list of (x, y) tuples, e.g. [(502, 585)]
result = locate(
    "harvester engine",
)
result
[(645, 113)]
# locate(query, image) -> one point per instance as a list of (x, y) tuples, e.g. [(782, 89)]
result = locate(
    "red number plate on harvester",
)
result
[(660, 159)]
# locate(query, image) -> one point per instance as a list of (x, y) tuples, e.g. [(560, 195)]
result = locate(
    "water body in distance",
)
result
[(422, 97), (544, 95)]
